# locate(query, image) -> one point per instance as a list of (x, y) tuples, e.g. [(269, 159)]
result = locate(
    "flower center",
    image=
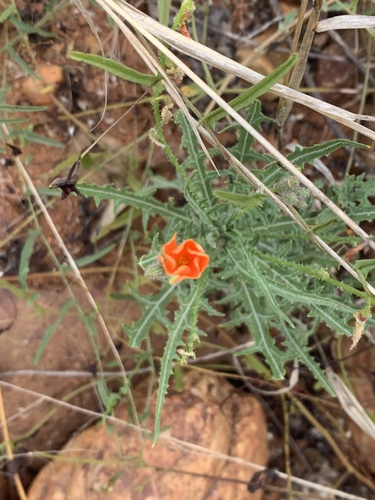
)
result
[(183, 261)]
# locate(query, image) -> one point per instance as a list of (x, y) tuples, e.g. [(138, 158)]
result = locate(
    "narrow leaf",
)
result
[(13, 108), (155, 310), (149, 206), (14, 121), (247, 267), (303, 355), (115, 68), (29, 28), (89, 259), (181, 323), (302, 155), (249, 96), (41, 139), (7, 12), (25, 257), (51, 329), (248, 201), (260, 332)]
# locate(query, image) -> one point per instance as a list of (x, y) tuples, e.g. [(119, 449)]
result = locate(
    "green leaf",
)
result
[(302, 354), (246, 266), (27, 251), (243, 150), (181, 323), (51, 329), (196, 161), (260, 331), (319, 273), (7, 12), (29, 29), (141, 200), (13, 108), (333, 321), (249, 96), (89, 259), (248, 202), (115, 68), (302, 155), (298, 297), (186, 6), (16, 58), (17, 292), (14, 121), (108, 398), (164, 10), (365, 266), (41, 139), (195, 204), (155, 310)]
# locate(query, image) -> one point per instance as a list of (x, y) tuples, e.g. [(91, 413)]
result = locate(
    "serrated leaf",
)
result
[(319, 273), (243, 150), (196, 206), (115, 68), (333, 321), (126, 197), (246, 266), (196, 158), (297, 297), (248, 202), (154, 310), (260, 332), (302, 155), (180, 324), (305, 357), (360, 214)]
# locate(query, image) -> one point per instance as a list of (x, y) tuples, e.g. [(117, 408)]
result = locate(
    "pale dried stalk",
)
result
[(189, 47), (350, 404), (260, 49), (346, 23), (298, 70)]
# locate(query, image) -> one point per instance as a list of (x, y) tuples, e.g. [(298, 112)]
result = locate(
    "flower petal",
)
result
[(185, 261)]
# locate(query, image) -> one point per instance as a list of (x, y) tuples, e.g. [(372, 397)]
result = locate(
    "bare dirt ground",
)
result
[(324, 445)]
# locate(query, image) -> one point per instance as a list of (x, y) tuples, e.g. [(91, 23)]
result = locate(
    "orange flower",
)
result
[(185, 261)]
